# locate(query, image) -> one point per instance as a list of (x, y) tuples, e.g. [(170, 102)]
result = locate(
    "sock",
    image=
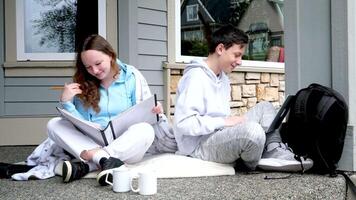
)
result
[(272, 146), (273, 137), (92, 166), (99, 155)]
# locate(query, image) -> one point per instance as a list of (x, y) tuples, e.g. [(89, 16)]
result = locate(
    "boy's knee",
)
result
[(254, 144), (266, 104), (255, 133)]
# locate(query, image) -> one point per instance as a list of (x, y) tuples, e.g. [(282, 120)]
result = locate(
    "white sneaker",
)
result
[(281, 158)]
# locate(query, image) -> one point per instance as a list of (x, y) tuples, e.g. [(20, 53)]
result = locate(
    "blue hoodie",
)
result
[(117, 98)]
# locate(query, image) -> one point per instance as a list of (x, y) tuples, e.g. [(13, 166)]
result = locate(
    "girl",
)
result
[(104, 87)]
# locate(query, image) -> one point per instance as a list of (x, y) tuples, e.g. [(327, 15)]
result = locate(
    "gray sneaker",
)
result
[(282, 158)]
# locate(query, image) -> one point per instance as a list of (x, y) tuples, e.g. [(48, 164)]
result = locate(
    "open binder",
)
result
[(141, 112)]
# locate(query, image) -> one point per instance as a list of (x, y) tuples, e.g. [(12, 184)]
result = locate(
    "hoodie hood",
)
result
[(200, 63)]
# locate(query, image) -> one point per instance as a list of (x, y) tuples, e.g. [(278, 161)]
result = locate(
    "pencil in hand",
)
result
[(57, 87)]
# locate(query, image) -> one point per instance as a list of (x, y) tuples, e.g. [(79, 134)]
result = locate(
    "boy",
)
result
[(203, 126)]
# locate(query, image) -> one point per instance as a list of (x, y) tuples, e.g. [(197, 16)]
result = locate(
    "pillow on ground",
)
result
[(174, 166)]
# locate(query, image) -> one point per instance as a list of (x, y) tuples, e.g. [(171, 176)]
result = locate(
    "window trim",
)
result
[(20, 36), (187, 59)]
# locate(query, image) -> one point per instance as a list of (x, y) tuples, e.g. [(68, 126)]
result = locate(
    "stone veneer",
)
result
[(248, 87)]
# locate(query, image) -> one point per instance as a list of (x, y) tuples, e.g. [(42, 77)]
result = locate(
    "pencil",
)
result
[(57, 88)]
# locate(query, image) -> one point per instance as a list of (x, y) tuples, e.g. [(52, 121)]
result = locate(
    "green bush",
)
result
[(194, 48)]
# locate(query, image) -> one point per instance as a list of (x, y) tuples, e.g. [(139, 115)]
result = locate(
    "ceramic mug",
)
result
[(147, 183), (121, 179)]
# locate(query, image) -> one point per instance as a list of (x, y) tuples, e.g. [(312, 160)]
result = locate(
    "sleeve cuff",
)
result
[(220, 123), (68, 105)]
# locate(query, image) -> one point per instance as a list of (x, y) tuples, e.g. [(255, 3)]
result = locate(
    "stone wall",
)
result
[(247, 88)]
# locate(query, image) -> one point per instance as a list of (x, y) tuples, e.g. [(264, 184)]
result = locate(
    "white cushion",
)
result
[(170, 165)]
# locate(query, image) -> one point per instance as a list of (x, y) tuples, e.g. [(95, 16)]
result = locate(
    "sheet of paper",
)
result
[(88, 128), (141, 112)]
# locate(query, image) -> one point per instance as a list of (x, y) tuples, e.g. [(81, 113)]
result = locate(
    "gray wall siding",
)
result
[(142, 32), (143, 39), (150, 62), (29, 96), (160, 5), (127, 30), (308, 43), (146, 31), (152, 42), (2, 54), (340, 45)]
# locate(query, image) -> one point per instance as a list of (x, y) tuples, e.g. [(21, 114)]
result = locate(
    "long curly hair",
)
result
[(89, 84)]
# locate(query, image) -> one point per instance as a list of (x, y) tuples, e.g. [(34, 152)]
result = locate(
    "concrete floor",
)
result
[(239, 186)]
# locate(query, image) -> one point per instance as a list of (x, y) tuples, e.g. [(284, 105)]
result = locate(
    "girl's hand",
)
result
[(69, 91), (158, 109), (233, 120)]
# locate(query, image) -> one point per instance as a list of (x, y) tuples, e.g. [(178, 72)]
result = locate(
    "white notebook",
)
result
[(141, 112)]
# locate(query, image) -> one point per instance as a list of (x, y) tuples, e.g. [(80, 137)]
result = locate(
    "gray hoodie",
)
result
[(202, 104)]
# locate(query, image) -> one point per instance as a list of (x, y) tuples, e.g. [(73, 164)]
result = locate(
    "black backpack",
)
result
[(316, 126)]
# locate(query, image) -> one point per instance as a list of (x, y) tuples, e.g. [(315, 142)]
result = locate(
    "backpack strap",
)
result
[(277, 121), (300, 106), (332, 172), (349, 182), (324, 105)]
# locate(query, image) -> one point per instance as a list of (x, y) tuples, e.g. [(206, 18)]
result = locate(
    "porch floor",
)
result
[(239, 186)]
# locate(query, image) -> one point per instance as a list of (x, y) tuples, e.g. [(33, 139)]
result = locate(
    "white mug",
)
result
[(121, 179), (147, 183)]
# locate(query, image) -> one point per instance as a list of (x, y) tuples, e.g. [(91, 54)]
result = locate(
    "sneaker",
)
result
[(107, 166), (7, 169), (74, 170), (282, 158)]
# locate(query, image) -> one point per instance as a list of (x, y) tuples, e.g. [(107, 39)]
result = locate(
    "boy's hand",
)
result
[(233, 120), (69, 91)]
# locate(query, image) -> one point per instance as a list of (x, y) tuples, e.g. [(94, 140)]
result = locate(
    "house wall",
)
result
[(248, 87), (343, 20), (137, 29), (320, 38), (13, 129), (2, 56), (27, 84), (261, 11), (307, 43), (143, 39)]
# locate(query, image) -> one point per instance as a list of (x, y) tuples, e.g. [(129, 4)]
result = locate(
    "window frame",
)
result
[(21, 55), (187, 59)]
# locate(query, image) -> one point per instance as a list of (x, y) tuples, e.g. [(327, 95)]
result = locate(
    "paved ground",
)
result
[(239, 186)]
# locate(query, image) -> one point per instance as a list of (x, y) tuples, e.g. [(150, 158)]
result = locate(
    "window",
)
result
[(262, 20), (192, 12), (46, 28)]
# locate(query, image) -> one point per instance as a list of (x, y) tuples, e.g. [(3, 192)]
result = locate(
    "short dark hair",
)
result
[(227, 35)]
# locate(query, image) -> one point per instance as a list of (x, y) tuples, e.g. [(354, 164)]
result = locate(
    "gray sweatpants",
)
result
[(246, 140)]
